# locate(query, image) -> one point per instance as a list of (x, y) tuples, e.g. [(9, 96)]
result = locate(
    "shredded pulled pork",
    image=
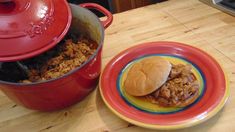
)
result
[(60, 60), (180, 90)]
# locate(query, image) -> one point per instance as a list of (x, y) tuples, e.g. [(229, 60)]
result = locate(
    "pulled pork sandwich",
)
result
[(162, 83)]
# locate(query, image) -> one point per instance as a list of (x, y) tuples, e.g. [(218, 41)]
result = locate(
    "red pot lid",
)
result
[(30, 27)]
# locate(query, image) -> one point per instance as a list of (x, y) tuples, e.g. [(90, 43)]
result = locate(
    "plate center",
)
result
[(141, 103)]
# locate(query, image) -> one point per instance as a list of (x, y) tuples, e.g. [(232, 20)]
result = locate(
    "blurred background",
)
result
[(116, 6)]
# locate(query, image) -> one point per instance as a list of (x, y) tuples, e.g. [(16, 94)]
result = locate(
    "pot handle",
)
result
[(106, 23)]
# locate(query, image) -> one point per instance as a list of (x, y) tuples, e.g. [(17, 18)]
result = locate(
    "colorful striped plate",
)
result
[(213, 87)]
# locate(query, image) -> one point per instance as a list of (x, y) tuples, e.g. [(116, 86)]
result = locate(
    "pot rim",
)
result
[(74, 70)]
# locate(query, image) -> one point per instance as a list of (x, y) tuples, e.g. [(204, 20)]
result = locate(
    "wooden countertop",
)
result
[(187, 21)]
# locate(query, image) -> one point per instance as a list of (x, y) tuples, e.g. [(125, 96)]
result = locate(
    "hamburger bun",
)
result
[(147, 75)]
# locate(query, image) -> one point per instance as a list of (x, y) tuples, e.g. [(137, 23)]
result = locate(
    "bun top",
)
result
[(147, 75)]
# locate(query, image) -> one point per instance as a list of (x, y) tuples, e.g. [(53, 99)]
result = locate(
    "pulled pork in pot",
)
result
[(64, 57)]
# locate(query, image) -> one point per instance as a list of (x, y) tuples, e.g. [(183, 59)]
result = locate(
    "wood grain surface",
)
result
[(186, 21)]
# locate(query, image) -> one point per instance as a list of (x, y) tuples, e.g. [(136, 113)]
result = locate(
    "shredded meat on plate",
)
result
[(181, 88)]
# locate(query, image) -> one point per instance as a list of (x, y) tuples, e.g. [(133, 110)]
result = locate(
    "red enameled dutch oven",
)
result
[(31, 27)]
